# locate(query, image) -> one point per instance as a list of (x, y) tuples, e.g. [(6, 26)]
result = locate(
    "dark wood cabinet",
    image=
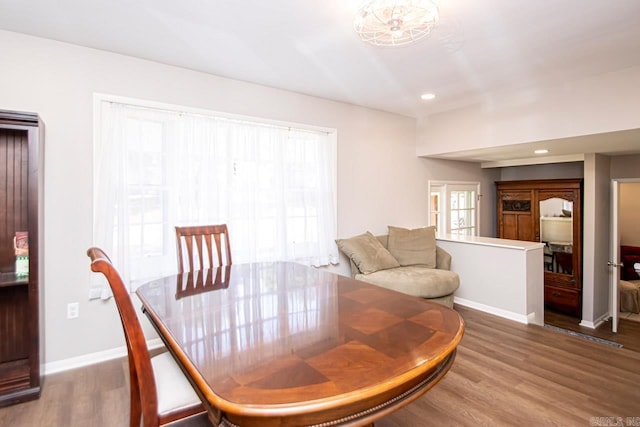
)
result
[(548, 211), (21, 138), (516, 216)]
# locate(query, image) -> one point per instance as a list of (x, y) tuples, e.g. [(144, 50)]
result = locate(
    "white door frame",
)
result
[(614, 252), (614, 256), (445, 225)]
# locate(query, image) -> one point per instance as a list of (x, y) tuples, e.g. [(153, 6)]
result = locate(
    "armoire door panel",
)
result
[(525, 228)]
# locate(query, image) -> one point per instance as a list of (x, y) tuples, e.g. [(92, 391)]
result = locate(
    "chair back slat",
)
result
[(204, 237), (189, 242), (218, 245)]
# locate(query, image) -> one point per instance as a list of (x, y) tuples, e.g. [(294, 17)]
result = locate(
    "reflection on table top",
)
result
[(254, 335)]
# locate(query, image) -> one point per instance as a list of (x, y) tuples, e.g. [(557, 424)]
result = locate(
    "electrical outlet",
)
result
[(73, 310)]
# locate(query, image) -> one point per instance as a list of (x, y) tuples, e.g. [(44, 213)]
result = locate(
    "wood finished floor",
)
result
[(628, 330), (505, 374)]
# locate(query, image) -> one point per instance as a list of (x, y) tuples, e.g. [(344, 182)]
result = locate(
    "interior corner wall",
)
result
[(489, 217), (536, 114), (381, 181), (629, 213), (625, 166), (596, 238)]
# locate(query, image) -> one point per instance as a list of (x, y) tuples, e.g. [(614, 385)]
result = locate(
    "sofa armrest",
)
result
[(443, 259), (354, 268)]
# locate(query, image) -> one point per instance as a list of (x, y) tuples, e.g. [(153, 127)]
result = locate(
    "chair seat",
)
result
[(417, 281), (175, 393)]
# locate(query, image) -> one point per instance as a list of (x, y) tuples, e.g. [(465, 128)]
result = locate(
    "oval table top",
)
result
[(286, 344)]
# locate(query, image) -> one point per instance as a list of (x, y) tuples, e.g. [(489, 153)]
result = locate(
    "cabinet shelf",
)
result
[(12, 279)]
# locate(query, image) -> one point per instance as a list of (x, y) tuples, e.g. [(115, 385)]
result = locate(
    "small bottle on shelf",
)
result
[(21, 248)]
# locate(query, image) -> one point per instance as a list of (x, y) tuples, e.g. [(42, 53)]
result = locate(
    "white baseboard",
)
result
[(534, 319), (593, 325), (93, 358), (520, 318)]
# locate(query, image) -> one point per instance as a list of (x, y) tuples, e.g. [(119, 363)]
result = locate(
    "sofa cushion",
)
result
[(413, 247), (629, 296), (417, 281), (367, 253)]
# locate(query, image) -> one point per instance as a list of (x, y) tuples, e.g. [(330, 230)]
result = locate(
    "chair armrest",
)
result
[(443, 259)]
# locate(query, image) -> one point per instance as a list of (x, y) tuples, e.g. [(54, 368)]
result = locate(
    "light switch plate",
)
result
[(95, 293)]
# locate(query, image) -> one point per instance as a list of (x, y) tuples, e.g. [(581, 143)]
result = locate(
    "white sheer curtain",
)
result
[(273, 186), (109, 183)]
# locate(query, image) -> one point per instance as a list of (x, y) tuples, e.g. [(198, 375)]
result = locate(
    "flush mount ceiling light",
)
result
[(395, 22), (542, 151)]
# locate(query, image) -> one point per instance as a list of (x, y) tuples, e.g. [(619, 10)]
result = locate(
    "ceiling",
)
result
[(479, 47)]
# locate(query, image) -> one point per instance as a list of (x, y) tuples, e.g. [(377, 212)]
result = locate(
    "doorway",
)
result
[(625, 230), (625, 254)]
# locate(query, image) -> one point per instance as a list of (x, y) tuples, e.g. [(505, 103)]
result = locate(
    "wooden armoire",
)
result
[(21, 169), (548, 211)]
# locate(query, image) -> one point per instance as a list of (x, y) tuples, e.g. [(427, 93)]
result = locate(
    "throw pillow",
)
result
[(367, 253), (413, 247), (628, 272)]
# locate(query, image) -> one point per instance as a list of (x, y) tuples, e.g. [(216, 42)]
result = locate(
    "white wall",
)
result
[(515, 293), (604, 103), (629, 213), (596, 239), (625, 166), (380, 179), (545, 171)]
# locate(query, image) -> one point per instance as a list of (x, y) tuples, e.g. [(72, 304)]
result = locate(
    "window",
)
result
[(436, 213), (453, 207), (156, 167)]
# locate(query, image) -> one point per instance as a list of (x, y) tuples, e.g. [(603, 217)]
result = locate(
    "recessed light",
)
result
[(427, 96), (542, 151)]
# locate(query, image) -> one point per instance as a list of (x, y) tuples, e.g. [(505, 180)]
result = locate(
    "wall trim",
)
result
[(93, 358), (596, 323), (493, 310)]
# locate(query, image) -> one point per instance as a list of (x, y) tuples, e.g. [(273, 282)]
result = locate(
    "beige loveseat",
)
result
[(410, 271), (629, 296)]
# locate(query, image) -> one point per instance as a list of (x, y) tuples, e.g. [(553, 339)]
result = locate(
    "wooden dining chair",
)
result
[(193, 241), (159, 391)]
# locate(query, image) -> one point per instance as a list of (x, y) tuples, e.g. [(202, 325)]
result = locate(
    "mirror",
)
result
[(556, 232)]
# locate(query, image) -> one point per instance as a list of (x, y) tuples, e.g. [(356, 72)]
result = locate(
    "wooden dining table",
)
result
[(271, 344)]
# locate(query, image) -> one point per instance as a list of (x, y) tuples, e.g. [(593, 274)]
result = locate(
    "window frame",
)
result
[(442, 190)]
